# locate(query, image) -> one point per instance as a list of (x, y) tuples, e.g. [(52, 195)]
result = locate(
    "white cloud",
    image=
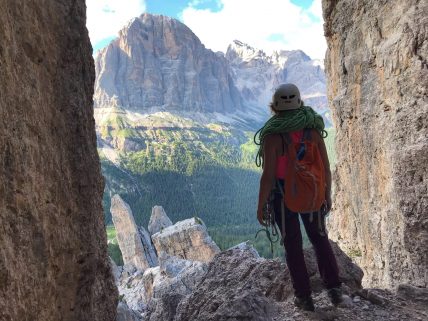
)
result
[(264, 24), (106, 17)]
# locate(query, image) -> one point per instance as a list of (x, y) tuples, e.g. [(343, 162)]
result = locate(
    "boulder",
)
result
[(158, 220), (186, 239), (174, 276), (115, 270), (237, 286)]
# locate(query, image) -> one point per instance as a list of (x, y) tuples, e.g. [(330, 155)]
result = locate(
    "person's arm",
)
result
[(324, 157), (268, 176)]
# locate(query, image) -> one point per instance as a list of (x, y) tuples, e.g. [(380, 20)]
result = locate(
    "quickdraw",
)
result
[(269, 219)]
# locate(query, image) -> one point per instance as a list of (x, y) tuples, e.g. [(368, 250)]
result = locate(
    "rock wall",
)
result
[(53, 248), (377, 72), (159, 62)]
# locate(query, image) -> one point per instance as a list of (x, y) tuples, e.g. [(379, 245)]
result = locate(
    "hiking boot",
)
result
[(305, 303), (335, 295)]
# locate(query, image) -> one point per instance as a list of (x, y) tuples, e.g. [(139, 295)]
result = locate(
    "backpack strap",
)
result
[(307, 134), (286, 140)]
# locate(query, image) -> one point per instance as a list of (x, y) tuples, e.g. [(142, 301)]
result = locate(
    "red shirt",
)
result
[(281, 161)]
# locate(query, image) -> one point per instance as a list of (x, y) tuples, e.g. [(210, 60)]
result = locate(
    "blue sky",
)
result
[(265, 24)]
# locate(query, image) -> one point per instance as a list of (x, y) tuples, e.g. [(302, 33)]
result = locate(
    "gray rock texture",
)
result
[(146, 291), (124, 313), (158, 220), (53, 247), (149, 250), (115, 270), (134, 242), (158, 62), (257, 74), (187, 239), (239, 285), (377, 72)]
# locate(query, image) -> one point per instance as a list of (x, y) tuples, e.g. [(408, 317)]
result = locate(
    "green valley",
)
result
[(190, 168)]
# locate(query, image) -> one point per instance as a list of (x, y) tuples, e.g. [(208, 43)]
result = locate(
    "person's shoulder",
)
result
[(272, 139), (272, 142)]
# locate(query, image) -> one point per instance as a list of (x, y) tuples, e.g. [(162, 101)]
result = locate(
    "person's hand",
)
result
[(260, 216)]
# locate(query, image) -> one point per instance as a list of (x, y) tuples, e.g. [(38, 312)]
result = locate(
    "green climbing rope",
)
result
[(288, 121)]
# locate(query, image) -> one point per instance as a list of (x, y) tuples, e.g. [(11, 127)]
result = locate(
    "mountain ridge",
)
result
[(158, 64)]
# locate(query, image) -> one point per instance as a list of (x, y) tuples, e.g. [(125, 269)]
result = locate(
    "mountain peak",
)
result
[(239, 51), (159, 63)]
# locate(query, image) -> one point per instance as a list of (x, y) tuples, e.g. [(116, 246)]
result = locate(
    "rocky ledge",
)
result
[(237, 284)]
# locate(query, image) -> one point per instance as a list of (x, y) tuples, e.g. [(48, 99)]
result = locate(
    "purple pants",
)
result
[(326, 260)]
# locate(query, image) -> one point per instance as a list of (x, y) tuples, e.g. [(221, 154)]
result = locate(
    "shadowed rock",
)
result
[(53, 247), (149, 250)]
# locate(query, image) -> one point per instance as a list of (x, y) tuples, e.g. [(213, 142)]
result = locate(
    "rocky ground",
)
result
[(381, 305), (191, 281)]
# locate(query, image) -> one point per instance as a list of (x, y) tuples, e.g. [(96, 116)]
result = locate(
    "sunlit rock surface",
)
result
[(159, 62), (186, 239), (377, 74)]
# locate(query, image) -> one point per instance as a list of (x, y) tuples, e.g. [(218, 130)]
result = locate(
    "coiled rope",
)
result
[(288, 121)]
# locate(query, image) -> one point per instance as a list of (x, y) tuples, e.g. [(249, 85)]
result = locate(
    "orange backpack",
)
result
[(305, 184)]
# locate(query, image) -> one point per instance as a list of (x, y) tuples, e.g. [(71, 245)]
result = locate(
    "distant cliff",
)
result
[(158, 62), (256, 74), (53, 252), (377, 85)]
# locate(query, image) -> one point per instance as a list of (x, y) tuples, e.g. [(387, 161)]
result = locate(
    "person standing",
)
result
[(292, 148)]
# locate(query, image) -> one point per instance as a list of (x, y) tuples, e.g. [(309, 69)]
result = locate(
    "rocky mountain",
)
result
[(158, 63), (53, 252), (377, 70), (256, 74), (171, 113)]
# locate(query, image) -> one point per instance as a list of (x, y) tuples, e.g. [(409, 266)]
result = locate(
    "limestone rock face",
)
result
[(257, 74), (53, 248), (186, 239), (158, 220), (144, 292), (239, 285), (136, 247), (149, 250), (377, 73), (158, 62)]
